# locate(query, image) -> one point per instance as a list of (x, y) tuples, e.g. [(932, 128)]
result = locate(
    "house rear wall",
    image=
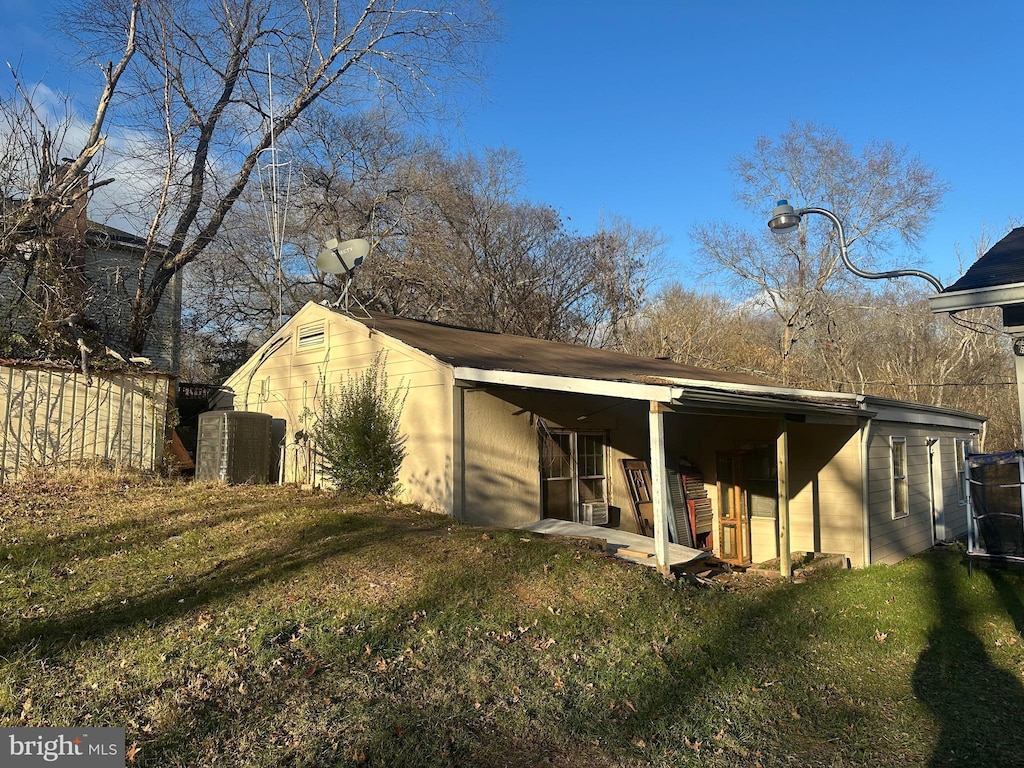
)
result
[(290, 383)]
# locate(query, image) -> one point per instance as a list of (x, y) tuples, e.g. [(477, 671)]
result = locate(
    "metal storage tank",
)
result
[(233, 447)]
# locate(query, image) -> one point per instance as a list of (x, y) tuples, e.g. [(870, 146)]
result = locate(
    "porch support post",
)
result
[(1018, 365), (782, 455), (659, 486)]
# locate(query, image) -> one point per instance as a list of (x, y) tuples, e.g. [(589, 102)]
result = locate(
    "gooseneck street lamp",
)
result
[(785, 217)]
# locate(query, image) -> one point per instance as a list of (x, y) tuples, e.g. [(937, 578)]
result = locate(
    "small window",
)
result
[(310, 336), (898, 453), (962, 447)]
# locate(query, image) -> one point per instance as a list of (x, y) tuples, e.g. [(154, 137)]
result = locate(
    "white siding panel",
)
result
[(894, 540)]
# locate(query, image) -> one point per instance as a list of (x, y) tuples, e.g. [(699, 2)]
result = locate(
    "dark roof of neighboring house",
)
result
[(100, 234), (1002, 264), (487, 350), (104, 235)]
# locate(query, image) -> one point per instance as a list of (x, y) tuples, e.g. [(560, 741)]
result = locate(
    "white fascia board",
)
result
[(995, 296), (623, 389)]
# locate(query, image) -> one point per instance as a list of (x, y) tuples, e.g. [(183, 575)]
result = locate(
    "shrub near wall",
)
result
[(357, 433)]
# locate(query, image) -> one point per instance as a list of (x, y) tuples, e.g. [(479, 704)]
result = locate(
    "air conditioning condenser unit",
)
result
[(594, 513)]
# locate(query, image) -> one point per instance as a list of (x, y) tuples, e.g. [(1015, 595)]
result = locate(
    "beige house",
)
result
[(506, 431)]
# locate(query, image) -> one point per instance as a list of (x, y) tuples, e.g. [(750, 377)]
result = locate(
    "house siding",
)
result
[(826, 490), (893, 540), (111, 276), (290, 384), (502, 462)]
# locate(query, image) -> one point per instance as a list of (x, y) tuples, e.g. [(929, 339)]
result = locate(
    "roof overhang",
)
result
[(976, 298), (926, 415), (712, 401), (662, 393), (689, 397)]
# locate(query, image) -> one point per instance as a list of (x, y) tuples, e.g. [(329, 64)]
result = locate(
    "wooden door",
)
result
[(733, 526)]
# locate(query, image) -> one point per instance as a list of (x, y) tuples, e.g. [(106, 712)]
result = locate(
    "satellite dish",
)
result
[(341, 258)]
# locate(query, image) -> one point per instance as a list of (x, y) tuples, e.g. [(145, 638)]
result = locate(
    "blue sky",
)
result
[(638, 108)]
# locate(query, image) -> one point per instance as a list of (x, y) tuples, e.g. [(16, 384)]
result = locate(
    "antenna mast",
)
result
[(275, 176)]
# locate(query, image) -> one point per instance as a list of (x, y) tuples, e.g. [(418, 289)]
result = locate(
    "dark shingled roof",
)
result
[(486, 350), (1003, 264), (103, 235)]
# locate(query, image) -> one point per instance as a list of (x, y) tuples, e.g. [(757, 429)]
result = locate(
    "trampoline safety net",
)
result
[(996, 507)]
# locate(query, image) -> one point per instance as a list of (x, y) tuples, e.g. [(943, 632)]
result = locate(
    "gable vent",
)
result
[(311, 336)]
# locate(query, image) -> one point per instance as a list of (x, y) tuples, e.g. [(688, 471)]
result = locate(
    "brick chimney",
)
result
[(73, 222)]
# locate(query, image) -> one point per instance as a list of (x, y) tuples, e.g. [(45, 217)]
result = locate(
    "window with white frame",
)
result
[(962, 447), (898, 455)]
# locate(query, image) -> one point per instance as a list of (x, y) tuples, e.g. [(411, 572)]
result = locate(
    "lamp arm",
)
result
[(860, 272)]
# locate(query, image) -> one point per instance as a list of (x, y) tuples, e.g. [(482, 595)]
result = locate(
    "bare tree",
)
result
[(882, 194), (192, 84), (454, 241), (482, 256), (42, 200), (705, 330)]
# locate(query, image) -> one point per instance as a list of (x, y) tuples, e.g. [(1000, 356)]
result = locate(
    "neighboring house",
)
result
[(506, 430), (110, 263), (55, 416), (994, 280), (112, 277)]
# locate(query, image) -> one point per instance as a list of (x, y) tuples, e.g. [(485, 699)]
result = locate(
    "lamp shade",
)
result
[(784, 218)]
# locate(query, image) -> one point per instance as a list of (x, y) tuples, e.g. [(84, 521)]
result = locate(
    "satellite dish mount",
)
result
[(342, 258)]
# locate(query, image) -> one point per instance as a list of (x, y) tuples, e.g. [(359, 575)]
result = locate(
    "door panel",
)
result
[(733, 522), (572, 472)]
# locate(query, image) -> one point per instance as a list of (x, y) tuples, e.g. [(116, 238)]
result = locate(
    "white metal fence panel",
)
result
[(53, 417)]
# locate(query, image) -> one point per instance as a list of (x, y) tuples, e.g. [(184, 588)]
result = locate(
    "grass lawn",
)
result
[(264, 626)]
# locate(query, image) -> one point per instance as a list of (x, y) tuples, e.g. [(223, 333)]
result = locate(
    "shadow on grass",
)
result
[(166, 600), (353, 714), (1008, 589), (362, 699), (976, 703), (668, 695), (86, 540)]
